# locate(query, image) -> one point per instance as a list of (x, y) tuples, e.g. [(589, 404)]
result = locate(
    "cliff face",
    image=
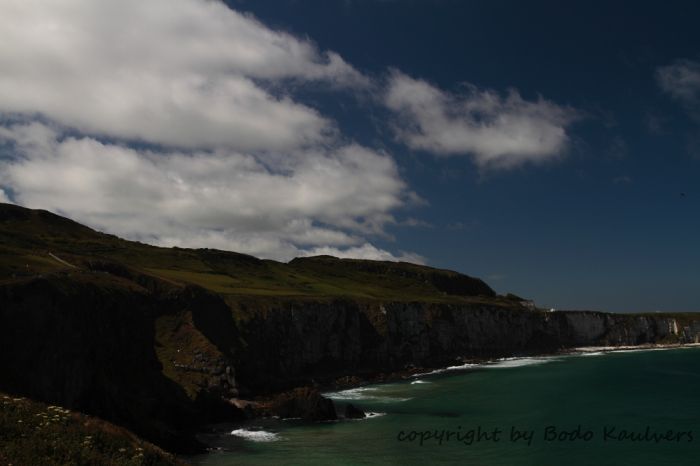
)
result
[(290, 344), (598, 328), (159, 339), (162, 359), (89, 343)]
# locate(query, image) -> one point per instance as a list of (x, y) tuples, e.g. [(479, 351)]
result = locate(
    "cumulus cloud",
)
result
[(271, 205), (231, 160), (681, 81), (498, 132), (186, 73), (366, 251)]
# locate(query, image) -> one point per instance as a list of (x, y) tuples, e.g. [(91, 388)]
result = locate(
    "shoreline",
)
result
[(349, 382), (646, 346), (475, 363), (466, 363), (259, 411)]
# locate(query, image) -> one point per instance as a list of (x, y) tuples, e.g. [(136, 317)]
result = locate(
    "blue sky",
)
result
[(551, 148), (603, 227)]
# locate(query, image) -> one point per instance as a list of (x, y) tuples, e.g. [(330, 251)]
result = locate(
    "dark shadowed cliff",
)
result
[(159, 340)]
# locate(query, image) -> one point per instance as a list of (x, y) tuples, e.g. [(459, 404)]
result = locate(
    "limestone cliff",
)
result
[(293, 343)]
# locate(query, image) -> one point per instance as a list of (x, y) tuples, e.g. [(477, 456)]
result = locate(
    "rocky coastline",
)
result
[(164, 341), (163, 363), (268, 406)]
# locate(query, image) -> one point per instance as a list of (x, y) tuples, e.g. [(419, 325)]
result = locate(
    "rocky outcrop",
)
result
[(305, 403), (354, 412)]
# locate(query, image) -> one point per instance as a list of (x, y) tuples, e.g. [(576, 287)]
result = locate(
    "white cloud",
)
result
[(366, 251), (236, 162), (270, 205), (185, 73), (499, 132), (681, 81)]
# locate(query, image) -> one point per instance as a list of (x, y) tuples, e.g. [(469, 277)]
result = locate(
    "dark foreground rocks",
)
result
[(354, 412), (305, 403)]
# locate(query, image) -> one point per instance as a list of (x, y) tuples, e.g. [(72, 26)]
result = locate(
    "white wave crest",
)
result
[(368, 415), (448, 369), (364, 393), (359, 393), (256, 435), (507, 363)]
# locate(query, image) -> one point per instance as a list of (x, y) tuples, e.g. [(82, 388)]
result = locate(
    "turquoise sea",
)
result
[(617, 408)]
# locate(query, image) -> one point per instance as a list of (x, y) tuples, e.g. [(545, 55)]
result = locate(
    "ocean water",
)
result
[(617, 408)]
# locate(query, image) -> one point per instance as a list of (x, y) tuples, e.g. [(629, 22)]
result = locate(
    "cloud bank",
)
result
[(176, 122), (498, 132), (271, 205), (189, 73), (681, 81), (168, 121)]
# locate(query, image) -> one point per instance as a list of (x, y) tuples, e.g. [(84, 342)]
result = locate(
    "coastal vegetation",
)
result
[(34, 433), (35, 242)]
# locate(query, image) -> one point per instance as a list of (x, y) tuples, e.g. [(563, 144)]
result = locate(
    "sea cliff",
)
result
[(163, 341), (293, 343)]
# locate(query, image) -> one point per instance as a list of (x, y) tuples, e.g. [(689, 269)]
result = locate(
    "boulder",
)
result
[(354, 412), (306, 403)]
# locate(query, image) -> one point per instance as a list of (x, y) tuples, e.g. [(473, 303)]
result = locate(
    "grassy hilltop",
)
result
[(34, 242)]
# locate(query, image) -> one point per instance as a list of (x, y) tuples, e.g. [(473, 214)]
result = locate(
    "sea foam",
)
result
[(364, 393), (461, 367), (368, 415), (359, 393), (507, 363), (256, 435)]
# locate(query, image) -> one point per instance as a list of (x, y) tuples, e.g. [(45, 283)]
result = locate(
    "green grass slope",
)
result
[(35, 242)]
